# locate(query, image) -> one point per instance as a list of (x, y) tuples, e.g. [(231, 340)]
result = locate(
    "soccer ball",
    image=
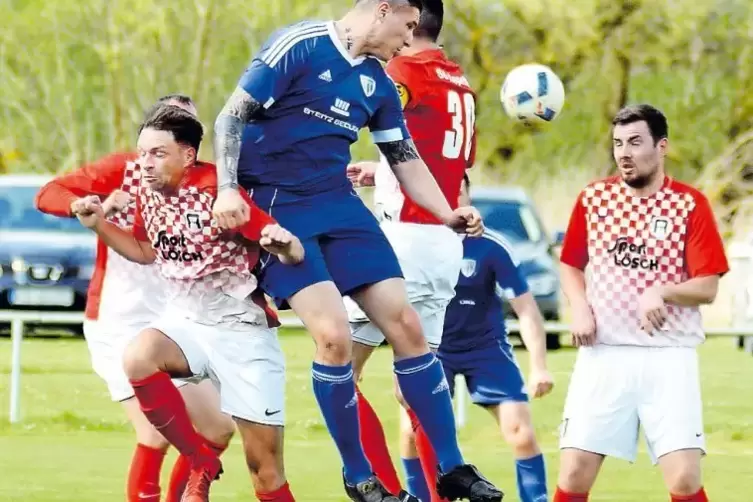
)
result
[(532, 93)]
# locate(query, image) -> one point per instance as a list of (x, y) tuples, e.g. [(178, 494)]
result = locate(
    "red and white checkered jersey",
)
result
[(120, 291), (209, 272), (627, 244)]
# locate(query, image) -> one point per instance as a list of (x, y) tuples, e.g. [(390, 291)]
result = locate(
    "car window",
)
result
[(516, 221), (17, 212)]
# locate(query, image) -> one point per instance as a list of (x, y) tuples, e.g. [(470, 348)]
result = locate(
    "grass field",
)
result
[(73, 444)]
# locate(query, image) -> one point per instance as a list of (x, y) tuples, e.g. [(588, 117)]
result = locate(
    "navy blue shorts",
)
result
[(343, 244), (491, 373)]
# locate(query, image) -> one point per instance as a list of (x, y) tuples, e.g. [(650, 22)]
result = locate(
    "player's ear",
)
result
[(382, 10), (663, 144), (189, 156)]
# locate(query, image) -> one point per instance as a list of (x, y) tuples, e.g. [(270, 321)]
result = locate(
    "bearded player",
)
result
[(123, 298), (642, 252), (439, 108)]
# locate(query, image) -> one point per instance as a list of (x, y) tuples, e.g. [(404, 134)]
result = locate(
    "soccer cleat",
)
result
[(466, 483), (205, 468), (370, 490), (404, 496)]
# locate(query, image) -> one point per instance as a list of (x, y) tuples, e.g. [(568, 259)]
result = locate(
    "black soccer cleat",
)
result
[(370, 490), (404, 496), (464, 482)]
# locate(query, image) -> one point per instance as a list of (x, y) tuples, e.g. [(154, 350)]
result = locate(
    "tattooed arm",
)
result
[(414, 176), (228, 132)]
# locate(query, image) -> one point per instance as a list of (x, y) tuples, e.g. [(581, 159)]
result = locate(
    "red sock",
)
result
[(427, 456), (374, 445), (143, 475), (282, 494), (181, 470), (700, 496), (562, 496), (163, 405)]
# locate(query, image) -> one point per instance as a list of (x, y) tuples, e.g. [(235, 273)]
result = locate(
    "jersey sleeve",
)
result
[(258, 220), (575, 245), (407, 89), (139, 228), (505, 267), (281, 58), (98, 178), (704, 253), (388, 122)]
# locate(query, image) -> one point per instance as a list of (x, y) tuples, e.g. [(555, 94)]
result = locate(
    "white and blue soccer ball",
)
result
[(532, 93)]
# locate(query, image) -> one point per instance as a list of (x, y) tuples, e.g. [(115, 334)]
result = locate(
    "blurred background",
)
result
[(76, 76)]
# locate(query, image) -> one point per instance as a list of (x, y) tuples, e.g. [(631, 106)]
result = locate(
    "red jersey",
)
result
[(119, 291), (440, 111), (627, 244), (209, 271)]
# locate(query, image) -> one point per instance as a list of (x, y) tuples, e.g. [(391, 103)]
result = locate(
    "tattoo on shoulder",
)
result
[(241, 105), (398, 152)]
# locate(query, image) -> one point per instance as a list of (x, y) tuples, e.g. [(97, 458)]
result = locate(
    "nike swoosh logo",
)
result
[(270, 413), (145, 496)]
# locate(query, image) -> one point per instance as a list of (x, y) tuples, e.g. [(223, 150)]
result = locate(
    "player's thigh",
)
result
[(681, 470), (670, 408), (601, 408), (249, 367), (282, 282), (359, 256), (203, 405), (578, 470), (174, 341), (321, 309), (263, 451)]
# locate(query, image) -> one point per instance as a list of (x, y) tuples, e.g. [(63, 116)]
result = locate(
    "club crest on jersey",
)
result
[(369, 85), (660, 227), (468, 267), (193, 222)]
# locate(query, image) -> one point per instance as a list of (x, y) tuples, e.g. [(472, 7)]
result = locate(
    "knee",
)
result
[(684, 481), (333, 341), (520, 436), (219, 430), (407, 333), (149, 436), (266, 473), (140, 356), (577, 473)]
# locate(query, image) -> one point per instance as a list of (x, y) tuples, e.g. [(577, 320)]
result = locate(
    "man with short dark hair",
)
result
[(642, 252), (217, 324), (285, 133)]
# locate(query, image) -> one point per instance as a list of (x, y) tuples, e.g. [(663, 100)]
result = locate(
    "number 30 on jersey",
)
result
[(459, 139)]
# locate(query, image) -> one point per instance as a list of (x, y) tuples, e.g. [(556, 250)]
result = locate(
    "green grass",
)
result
[(74, 445)]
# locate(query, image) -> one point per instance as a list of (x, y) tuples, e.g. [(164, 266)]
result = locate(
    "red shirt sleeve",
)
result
[(259, 219), (575, 246), (400, 73), (704, 251), (99, 178)]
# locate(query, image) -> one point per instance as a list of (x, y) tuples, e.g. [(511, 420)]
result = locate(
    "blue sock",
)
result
[(531, 479), (415, 479), (335, 392), (425, 389)]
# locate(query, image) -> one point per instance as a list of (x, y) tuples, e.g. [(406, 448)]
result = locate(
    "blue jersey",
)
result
[(488, 273), (316, 98)]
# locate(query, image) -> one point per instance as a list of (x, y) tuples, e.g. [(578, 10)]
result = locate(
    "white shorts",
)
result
[(614, 390), (430, 257), (107, 341), (247, 366)]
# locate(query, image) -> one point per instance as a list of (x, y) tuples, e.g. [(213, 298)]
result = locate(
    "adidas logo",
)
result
[(352, 402), (326, 76), (443, 386)]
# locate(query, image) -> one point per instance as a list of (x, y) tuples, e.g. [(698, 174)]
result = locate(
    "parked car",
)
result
[(511, 212), (46, 262)]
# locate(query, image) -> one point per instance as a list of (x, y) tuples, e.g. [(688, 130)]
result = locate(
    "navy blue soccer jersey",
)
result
[(488, 273), (316, 98)]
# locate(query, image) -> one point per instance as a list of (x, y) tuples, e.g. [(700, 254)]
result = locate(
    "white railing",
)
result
[(19, 319)]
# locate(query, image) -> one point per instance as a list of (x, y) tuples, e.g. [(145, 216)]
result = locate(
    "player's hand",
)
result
[(116, 201), (466, 220), (88, 210), (362, 174), (282, 243), (583, 327), (230, 210), (540, 382), (652, 310)]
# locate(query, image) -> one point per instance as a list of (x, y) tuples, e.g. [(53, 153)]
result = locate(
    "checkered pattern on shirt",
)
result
[(138, 291), (613, 214), (209, 274)]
